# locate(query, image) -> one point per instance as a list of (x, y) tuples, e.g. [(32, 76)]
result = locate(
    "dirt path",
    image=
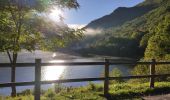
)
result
[(159, 97)]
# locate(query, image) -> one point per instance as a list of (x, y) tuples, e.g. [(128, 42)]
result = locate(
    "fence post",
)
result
[(37, 89), (152, 72), (106, 81)]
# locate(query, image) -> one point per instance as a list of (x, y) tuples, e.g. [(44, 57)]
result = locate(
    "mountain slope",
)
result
[(123, 14), (132, 38)]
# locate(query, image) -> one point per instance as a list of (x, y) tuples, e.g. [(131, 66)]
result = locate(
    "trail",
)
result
[(158, 97)]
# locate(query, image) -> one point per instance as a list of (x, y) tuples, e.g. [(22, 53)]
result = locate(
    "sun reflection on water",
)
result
[(53, 72)]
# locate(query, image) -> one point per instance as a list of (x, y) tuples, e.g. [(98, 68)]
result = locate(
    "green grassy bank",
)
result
[(118, 91)]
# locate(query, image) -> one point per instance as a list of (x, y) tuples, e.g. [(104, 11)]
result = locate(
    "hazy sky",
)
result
[(93, 9)]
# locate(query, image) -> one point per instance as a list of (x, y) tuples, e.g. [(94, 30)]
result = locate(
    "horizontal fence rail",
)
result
[(2, 65), (79, 80), (37, 83)]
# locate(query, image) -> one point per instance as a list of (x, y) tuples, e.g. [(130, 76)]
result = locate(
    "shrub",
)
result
[(50, 94), (26, 92), (144, 70), (116, 73), (91, 86)]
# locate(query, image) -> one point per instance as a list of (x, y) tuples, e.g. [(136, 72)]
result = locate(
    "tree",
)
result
[(158, 47), (20, 27), (159, 44)]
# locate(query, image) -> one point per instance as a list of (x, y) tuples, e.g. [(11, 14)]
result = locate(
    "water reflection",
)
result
[(52, 72)]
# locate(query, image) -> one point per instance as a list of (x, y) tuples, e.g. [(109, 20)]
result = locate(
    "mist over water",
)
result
[(91, 31)]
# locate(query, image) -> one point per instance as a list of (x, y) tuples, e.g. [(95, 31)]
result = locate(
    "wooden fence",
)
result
[(106, 77)]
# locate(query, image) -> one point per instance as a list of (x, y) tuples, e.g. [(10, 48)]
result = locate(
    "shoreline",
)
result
[(46, 56)]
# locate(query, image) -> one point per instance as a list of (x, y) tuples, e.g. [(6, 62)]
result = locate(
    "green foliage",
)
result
[(119, 17), (26, 92), (136, 90), (23, 27), (113, 46), (140, 70), (116, 73), (118, 91), (40, 5), (68, 3), (144, 40), (26, 97), (158, 44), (91, 86), (145, 70), (133, 37), (50, 94), (58, 87), (149, 2)]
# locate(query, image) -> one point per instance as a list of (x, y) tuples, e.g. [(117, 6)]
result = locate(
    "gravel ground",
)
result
[(159, 97)]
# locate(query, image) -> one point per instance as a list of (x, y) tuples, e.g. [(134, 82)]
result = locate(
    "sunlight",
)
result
[(53, 72), (56, 14), (54, 55)]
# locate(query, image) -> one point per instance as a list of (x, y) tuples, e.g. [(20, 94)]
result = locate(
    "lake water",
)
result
[(53, 72)]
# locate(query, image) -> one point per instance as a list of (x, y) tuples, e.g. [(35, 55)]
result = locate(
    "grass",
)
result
[(130, 91), (118, 91)]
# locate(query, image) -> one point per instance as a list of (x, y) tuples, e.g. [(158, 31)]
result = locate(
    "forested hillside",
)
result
[(123, 14), (145, 34)]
